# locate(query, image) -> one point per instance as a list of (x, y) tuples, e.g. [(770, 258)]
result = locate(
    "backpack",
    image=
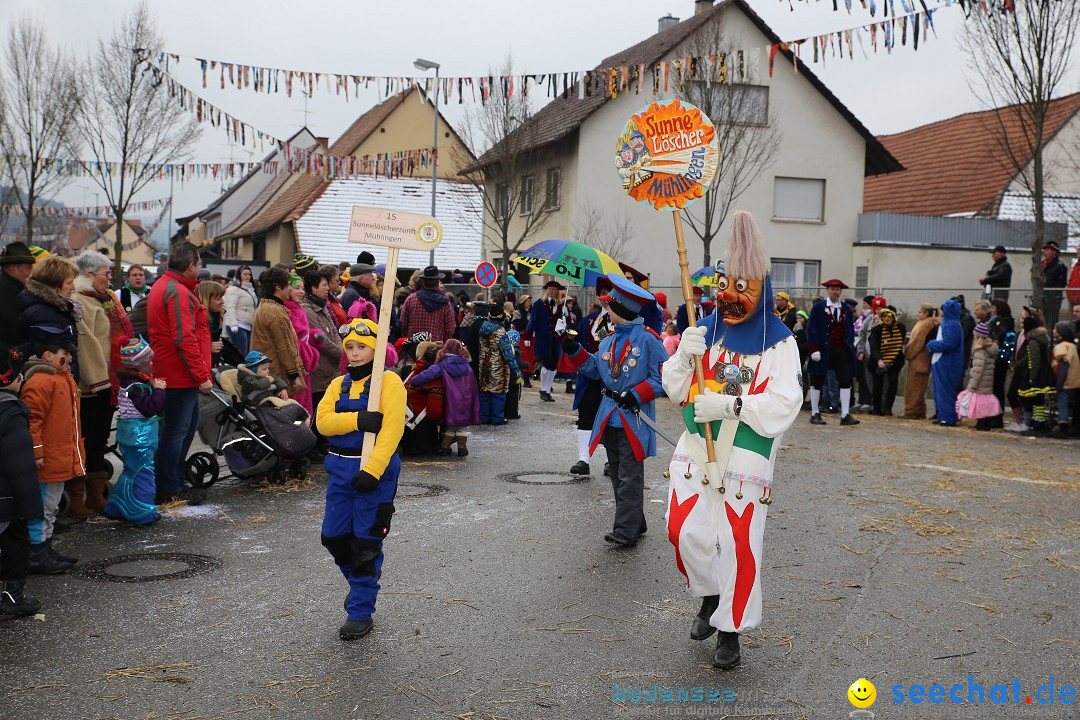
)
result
[(1007, 347)]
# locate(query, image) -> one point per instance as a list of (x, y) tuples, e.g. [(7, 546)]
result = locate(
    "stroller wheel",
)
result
[(202, 470)]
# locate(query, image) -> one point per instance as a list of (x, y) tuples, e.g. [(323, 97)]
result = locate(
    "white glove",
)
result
[(815, 356), (712, 406), (560, 326), (692, 343)]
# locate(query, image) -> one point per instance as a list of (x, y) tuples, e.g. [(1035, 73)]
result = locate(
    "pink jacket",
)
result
[(309, 354)]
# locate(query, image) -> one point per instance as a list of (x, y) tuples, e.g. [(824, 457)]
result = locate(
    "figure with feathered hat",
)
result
[(752, 394)]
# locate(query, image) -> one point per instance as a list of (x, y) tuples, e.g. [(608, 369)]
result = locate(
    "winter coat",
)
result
[(1032, 361), (497, 359), (43, 312), (1065, 351), (20, 494), (818, 336), (309, 353), (431, 311), (325, 338), (981, 378), (461, 401), (273, 335), (108, 341), (354, 291), (875, 346), (950, 348), (915, 350), (255, 388), (545, 344), (9, 310), (863, 326), (53, 400), (240, 305), (1000, 274), (179, 332)]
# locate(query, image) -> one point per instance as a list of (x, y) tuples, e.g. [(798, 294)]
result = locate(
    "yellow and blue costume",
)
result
[(360, 491)]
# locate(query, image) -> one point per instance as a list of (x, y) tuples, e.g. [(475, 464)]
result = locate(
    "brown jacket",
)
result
[(329, 350), (273, 335), (53, 399), (915, 351)]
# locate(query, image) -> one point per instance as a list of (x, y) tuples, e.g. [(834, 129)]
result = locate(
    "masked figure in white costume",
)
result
[(753, 392)]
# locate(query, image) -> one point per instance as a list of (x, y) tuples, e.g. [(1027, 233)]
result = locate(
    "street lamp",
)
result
[(425, 65)]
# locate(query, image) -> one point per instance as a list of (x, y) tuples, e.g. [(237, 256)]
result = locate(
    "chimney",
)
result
[(667, 22), (702, 6)]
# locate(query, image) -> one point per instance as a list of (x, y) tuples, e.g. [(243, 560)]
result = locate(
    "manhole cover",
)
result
[(146, 567), (545, 478), (420, 490)]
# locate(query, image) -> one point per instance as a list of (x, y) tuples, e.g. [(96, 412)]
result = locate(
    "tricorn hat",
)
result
[(554, 284)]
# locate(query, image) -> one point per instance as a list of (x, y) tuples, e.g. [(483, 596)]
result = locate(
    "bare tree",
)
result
[(749, 137), (38, 107), (128, 118), (518, 185), (1019, 61), (611, 236)]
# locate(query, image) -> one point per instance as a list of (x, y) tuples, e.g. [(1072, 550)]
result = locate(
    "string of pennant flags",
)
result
[(85, 211), (909, 6)]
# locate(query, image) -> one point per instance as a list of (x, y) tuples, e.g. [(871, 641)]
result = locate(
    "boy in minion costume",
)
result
[(752, 395), (627, 363), (360, 492)]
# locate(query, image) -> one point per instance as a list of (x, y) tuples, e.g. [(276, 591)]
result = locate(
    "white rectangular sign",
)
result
[(394, 229)]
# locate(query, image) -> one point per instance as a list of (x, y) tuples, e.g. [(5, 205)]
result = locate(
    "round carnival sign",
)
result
[(429, 233), (667, 155), (486, 274)]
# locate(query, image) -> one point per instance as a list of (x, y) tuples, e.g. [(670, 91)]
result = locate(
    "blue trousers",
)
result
[(179, 423), (492, 407), (132, 497), (241, 339), (944, 395), (354, 527)]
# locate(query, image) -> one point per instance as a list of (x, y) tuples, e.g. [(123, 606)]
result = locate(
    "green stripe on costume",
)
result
[(745, 437)]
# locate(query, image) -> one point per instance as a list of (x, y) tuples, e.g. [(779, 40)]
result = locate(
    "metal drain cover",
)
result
[(146, 567), (545, 478), (422, 490)]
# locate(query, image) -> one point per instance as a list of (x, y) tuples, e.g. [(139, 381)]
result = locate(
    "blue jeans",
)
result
[(179, 423), (241, 339), (492, 406)]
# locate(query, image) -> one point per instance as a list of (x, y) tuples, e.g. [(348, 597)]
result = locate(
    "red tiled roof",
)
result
[(562, 116), (958, 165), (366, 124)]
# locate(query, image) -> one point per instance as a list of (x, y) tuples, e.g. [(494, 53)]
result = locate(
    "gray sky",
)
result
[(887, 93)]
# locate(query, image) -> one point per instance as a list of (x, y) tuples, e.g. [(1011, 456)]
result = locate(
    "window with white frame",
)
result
[(502, 201), (553, 196), (799, 199), (790, 274), (527, 188)]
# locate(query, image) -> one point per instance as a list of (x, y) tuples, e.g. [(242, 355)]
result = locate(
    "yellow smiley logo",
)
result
[(862, 693)]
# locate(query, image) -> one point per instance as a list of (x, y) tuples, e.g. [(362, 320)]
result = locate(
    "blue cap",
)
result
[(632, 297), (255, 358)]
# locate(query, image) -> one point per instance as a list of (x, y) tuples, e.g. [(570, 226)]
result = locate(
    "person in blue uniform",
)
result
[(831, 343), (544, 316), (593, 328), (627, 362), (360, 491)]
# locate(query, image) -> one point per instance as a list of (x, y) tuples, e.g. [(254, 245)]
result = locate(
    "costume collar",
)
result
[(623, 328)]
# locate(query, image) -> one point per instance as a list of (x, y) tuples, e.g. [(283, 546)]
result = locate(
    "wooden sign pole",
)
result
[(691, 319), (375, 384)]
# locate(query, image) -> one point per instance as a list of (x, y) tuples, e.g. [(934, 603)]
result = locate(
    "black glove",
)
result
[(367, 421), (569, 345), (627, 400), (364, 482)]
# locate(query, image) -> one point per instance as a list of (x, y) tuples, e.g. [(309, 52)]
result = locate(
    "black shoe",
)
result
[(644, 528), (59, 528), (620, 539), (607, 470), (701, 629), (727, 651), (525, 382), (42, 563), (355, 629), (14, 603), (70, 559), (546, 396), (193, 495), (513, 417), (443, 451), (580, 468), (848, 420), (462, 452), (569, 388), (815, 419)]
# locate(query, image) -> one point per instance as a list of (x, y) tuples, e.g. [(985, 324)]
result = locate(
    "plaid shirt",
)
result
[(416, 318)]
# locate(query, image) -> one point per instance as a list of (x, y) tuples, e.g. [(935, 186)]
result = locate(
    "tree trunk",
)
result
[(30, 217), (118, 246), (1038, 277), (706, 243)]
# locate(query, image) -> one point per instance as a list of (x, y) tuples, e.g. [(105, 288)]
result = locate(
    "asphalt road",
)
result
[(895, 551)]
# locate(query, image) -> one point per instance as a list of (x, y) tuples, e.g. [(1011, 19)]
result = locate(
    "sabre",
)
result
[(656, 428)]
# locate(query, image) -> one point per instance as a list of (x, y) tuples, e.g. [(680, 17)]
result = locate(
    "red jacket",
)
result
[(179, 332)]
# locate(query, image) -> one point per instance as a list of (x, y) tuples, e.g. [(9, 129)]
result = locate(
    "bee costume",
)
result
[(360, 499)]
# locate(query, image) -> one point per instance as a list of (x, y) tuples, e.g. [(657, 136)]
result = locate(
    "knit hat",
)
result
[(254, 359), (360, 330), (136, 354), (38, 252), (803, 314), (981, 330), (303, 263), (515, 337), (661, 299), (869, 299), (12, 359), (784, 295)]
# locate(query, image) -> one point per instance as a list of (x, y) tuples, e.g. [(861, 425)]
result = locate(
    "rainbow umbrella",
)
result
[(572, 261), (705, 277)]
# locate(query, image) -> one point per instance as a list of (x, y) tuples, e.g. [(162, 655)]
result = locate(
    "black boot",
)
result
[(569, 387), (355, 629), (727, 651), (70, 559), (581, 467), (546, 396), (42, 563), (13, 603), (701, 629)]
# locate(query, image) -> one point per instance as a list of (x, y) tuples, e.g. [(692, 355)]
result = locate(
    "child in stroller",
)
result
[(256, 382)]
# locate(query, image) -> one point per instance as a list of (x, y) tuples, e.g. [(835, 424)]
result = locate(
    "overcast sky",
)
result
[(887, 93)]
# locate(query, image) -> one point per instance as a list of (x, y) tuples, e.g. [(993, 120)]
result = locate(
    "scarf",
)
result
[(316, 300), (141, 293), (892, 342), (119, 331)]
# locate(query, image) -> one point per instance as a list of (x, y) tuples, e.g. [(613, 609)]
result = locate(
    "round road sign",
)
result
[(486, 274)]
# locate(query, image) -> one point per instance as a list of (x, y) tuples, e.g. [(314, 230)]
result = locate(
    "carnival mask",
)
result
[(738, 298)]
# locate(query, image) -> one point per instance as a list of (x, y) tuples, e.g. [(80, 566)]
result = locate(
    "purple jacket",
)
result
[(461, 404)]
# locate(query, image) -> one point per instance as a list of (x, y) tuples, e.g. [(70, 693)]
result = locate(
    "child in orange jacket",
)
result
[(52, 396)]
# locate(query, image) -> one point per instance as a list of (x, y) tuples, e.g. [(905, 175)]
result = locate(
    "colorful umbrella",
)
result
[(569, 260), (706, 277)]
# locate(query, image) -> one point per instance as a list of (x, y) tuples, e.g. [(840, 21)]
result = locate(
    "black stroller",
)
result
[(270, 440)]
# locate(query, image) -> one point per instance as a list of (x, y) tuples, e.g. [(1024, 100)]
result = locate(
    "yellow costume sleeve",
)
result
[(392, 406), (329, 422)]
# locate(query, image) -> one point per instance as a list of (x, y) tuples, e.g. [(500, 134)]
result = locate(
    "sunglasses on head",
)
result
[(359, 328)]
